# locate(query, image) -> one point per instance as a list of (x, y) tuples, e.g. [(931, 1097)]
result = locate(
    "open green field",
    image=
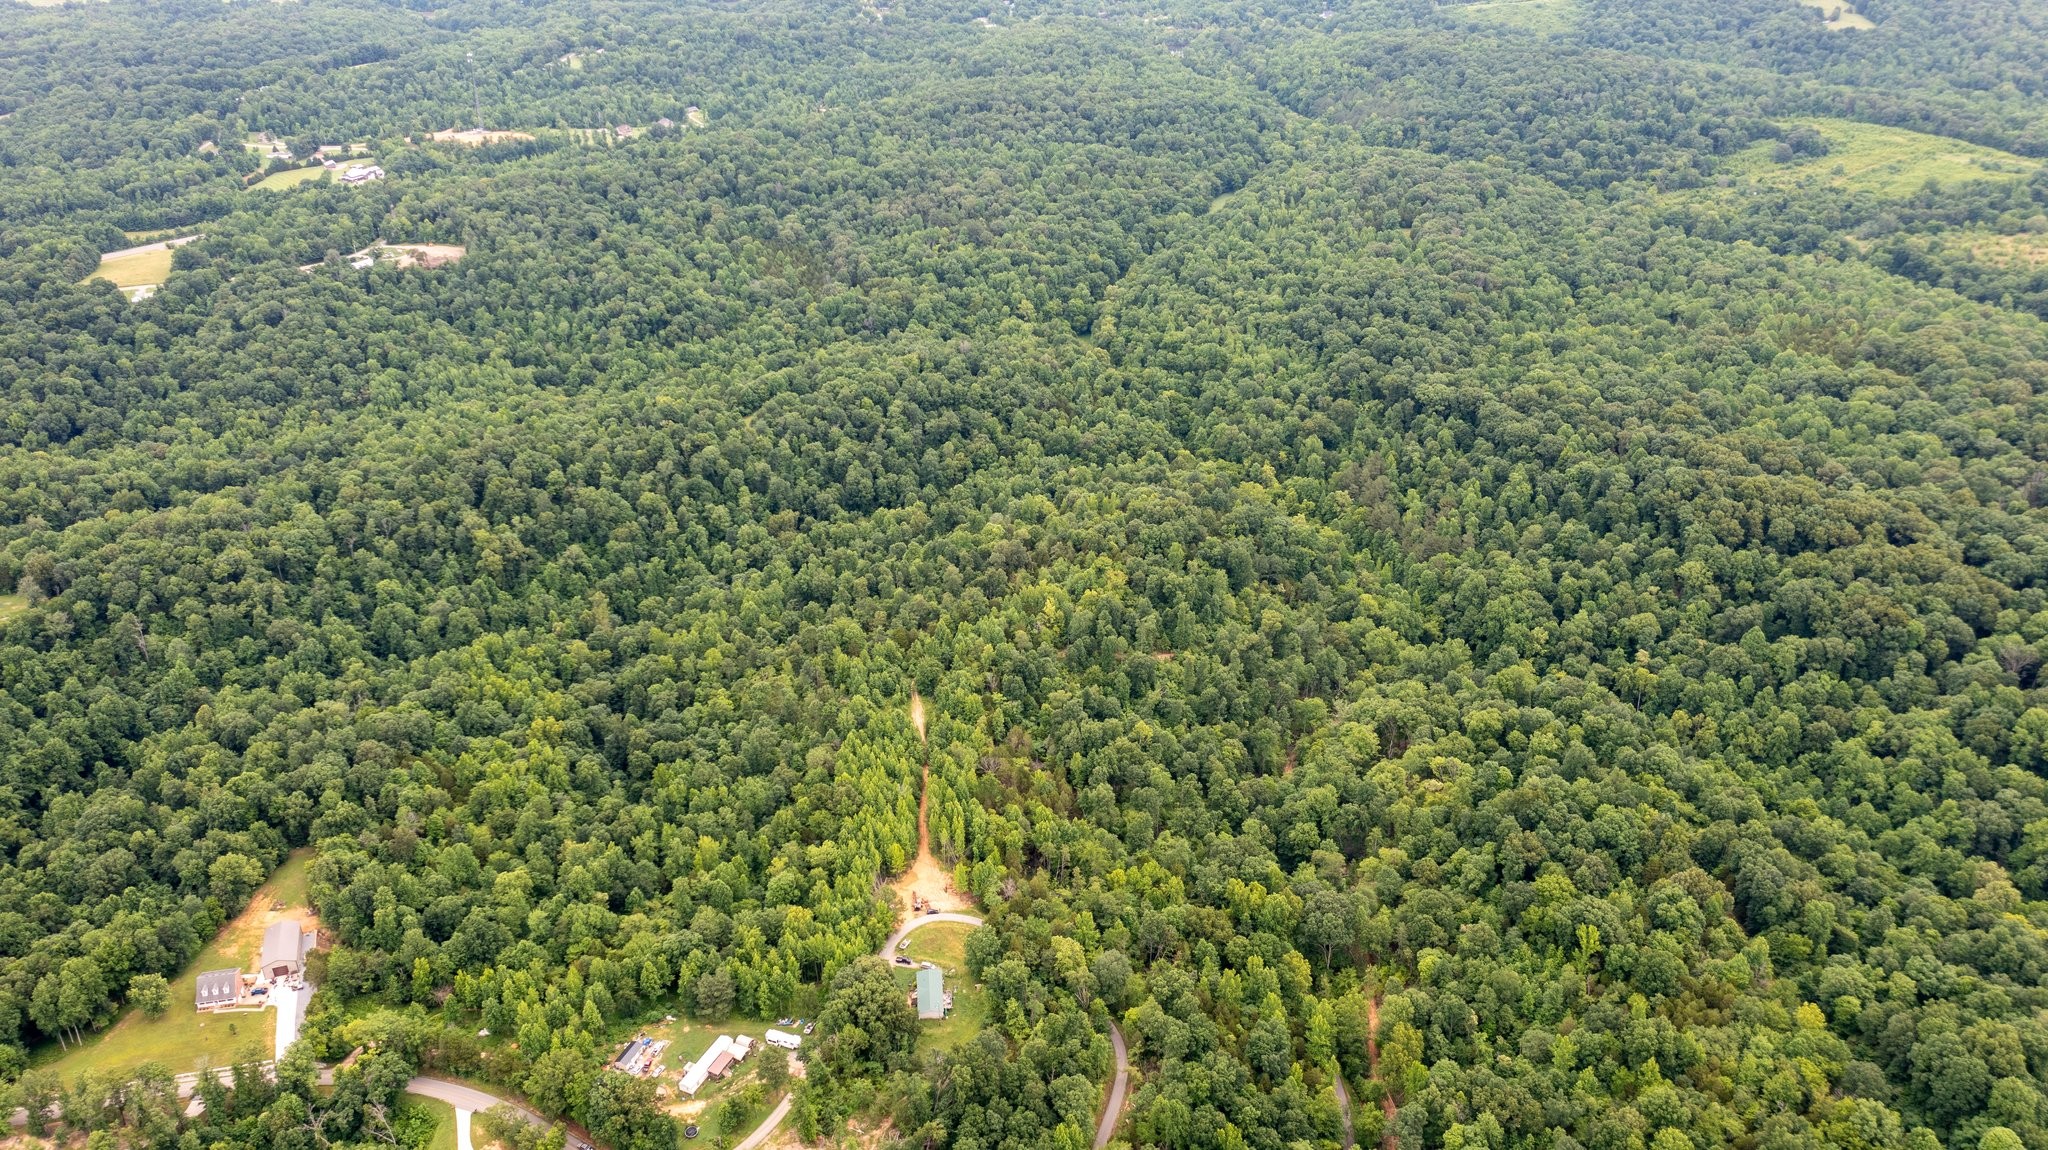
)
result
[(184, 1039), (280, 181), (945, 945), (12, 605), (1868, 158), (1839, 16), (138, 270), (1528, 15)]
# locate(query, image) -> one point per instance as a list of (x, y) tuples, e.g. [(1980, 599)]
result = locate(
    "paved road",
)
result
[(902, 932), (767, 1125), (1343, 1108), (467, 1097), (462, 1129), (1115, 1108)]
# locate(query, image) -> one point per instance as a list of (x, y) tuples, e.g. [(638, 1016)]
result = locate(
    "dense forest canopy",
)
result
[(1477, 574)]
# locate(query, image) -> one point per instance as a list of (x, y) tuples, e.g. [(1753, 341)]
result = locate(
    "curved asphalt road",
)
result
[(1115, 1109), (467, 1097), (1343, 1106)]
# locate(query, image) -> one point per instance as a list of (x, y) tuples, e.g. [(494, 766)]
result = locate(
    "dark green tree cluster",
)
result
[(1425, 596)]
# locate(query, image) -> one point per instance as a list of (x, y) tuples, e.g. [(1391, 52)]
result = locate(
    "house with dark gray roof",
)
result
[(218, 988)]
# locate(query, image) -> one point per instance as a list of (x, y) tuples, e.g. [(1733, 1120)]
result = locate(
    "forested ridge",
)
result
[(1497, 560)]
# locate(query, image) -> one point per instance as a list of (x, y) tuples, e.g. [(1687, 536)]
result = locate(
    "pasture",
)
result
[(1884, 161)]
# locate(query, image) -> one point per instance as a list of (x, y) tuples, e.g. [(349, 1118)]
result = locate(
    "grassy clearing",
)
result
[(184, 1039), (138, 270), (2025, 250), (1839, 16), (1890, 162), (281, 181), (945, 945), (964, 1021), (12, 605), (1528, 15)]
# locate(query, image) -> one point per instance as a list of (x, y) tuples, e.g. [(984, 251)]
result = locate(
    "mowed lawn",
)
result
[(184, 1039), (1890, 162), (291, 178), (12, 605), (944, 944), (137, 270)]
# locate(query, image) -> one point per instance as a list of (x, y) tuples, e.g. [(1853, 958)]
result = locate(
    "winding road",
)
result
[(769, 1123), (469, 1098), (1343, 1107), (1117, 1085)]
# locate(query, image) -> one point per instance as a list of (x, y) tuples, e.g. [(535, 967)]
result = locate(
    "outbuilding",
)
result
[(284, 952), (931, 993)]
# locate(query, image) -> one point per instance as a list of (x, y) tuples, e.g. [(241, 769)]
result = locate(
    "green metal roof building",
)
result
[(931, 993)]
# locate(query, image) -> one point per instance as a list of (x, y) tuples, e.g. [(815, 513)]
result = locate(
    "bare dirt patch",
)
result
[(689, 1109), (422, 255), (427, 256), (274, 902), (478, 137), (925, 882), (1839, 16)]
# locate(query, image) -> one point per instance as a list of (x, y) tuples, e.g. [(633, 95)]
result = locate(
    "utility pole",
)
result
[(474, 98)]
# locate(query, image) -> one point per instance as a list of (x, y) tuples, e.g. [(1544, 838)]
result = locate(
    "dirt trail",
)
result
[(925, 877), (1372, 1062)]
